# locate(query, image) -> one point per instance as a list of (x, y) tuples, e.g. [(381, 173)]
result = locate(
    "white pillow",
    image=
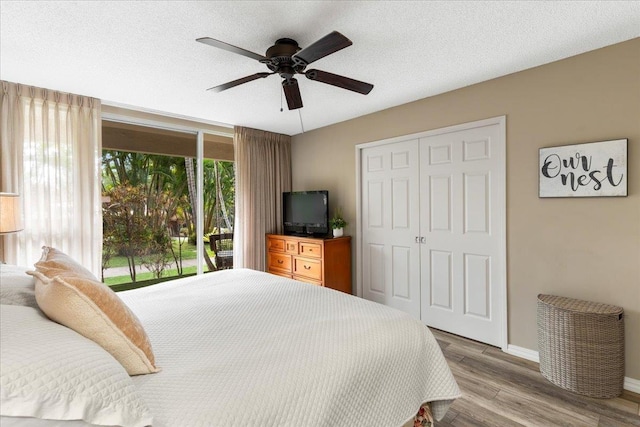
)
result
[(71, 295), (16, 286), (49, 371)]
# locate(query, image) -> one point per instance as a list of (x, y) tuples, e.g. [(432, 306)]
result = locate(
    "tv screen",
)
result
[(306, 212)]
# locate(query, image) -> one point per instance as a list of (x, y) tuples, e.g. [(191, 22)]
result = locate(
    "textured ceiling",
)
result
[(144, 54)]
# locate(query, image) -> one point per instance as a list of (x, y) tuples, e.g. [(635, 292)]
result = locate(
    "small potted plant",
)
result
[(338, 223)]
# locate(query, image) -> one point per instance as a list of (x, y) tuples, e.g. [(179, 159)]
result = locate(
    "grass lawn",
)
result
[(188, 252), (140, 277), (121, 283)]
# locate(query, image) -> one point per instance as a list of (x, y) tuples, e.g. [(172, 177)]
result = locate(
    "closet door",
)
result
[(390, 225), (462, 193)]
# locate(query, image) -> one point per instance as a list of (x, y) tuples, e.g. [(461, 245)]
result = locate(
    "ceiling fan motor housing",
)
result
[(279, 58)]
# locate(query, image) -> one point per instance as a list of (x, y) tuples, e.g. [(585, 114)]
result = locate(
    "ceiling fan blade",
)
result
[(247, 79), (231, 48), (292, 93), (327, 45), (339, 81)]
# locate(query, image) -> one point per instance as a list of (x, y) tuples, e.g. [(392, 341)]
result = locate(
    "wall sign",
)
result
[(584, 170)]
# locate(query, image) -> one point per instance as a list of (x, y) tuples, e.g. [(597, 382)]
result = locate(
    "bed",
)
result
[(232, 348)]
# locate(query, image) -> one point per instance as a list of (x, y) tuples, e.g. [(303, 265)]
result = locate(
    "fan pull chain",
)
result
[(300, 115), (281, 91)]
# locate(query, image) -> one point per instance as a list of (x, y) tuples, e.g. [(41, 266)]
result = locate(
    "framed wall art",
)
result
[(595, 169)]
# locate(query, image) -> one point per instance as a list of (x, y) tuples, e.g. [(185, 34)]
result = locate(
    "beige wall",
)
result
[(587, 248)]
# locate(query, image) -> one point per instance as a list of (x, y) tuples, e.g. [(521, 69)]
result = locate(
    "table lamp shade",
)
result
[(10, 218)]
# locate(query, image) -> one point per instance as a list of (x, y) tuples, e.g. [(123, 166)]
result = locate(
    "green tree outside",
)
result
[(147, 213)]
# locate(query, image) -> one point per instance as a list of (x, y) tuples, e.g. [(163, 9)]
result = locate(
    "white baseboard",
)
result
[(524, 353), (630, 384)]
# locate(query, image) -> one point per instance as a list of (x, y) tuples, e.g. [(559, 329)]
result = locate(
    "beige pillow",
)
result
[(55, 262), (70, 295)]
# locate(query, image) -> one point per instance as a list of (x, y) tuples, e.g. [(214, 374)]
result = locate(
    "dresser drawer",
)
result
[(280, 262), (291, 247), (310, 268), (311, 249), (275, 244)]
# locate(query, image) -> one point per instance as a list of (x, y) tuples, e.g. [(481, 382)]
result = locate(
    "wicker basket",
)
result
[(581, 345)]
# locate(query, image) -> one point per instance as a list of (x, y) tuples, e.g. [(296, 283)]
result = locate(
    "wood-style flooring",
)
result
[(503, 390)]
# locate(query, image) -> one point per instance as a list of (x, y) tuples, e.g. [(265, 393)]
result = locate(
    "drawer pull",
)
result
[(307, 267), (280, 261)]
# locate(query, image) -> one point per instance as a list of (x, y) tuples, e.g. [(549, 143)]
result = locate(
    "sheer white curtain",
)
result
[(51, 150), (263, 172)]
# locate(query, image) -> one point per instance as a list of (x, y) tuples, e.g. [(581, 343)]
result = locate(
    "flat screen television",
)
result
[(306, 212)]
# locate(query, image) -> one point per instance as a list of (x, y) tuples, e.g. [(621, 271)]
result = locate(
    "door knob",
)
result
[(423, 240)]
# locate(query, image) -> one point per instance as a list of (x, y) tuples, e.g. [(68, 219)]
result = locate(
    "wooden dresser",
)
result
[(319, 261)]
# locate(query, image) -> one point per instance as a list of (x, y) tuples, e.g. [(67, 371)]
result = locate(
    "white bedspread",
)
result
[(245, 348)]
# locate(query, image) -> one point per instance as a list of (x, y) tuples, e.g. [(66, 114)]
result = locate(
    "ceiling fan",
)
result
[(287, 59)]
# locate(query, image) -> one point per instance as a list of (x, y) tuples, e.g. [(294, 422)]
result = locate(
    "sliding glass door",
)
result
[(150, 194)]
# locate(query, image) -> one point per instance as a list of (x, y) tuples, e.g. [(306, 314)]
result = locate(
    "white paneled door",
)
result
[(432, 216), (462, 217), (390, 223)]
